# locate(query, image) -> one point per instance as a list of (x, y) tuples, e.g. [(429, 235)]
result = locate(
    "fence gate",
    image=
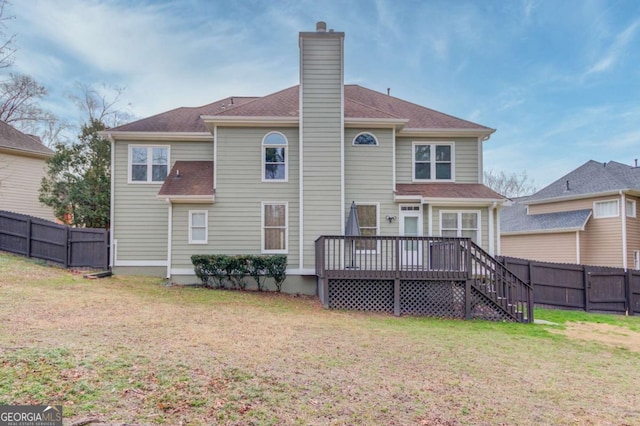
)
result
[(607, 291)]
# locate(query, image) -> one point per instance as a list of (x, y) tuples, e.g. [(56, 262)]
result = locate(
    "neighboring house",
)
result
[(588, 216), (22, 166), (271, 174)]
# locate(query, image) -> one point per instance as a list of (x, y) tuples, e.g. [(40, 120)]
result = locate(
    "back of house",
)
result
[(271, 174)]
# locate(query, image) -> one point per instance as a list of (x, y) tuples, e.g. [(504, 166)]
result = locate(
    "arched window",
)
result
[(365, 138), (274, 157)]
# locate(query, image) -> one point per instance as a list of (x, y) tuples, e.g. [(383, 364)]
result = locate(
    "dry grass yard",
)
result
[(129, 350)]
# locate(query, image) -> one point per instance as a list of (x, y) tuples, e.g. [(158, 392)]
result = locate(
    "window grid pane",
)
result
[(631, 208), (275, 228), (606, 208)]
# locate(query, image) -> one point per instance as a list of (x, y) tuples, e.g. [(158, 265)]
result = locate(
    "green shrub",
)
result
[(214, 270)]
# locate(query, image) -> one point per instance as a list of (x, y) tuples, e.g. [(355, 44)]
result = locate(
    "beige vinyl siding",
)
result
[(141, 219), (556, 247), (633, 233), (565, 206), (601, 243), (20, 178), (369, 176), (484, 221), (466, 158), (235, 218), (321, 114)]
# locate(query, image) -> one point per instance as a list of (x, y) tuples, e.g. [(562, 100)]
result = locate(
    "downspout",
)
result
[(169, 239), (112, 197), (623, 212), (499, 249)]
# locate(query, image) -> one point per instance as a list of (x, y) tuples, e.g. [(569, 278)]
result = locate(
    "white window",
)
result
[(274, 157), (365, 138), (460, 224), (603, 209), (148, 163), (631, 208), (636, 259), (198, 226), (368, 220), (274, 227), (433, 161)]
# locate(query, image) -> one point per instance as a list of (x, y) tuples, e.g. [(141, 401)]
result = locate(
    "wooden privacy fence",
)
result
[(579, 287), (41, 239)]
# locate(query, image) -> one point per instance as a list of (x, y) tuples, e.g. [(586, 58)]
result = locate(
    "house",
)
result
[(589, 216), (22, 166), (272, 174)]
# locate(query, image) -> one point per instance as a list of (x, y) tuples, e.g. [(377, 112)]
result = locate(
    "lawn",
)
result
[(132, 350)]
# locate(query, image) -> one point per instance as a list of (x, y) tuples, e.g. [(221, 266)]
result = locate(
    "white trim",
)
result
[(246, 121), (581, 196), (625, 262), (432, 148), (578, 247), (490, 231), (199, 199), (636, 259), (430, 220), (263, 149), (375, 138), (342, 153), (393, 159), (169, 237), (206, 227), (595, 212), (112, 213), (141, 263), (159, 136), (286, 227), (498, 231), (478, 240), (301, 162), (149, 164)]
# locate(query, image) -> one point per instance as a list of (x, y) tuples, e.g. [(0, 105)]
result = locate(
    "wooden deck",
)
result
[(446, 276)]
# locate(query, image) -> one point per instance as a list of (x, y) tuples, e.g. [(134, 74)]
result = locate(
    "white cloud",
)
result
[(614, 51)]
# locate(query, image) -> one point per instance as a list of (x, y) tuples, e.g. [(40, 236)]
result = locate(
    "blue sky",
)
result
[(558, 79)]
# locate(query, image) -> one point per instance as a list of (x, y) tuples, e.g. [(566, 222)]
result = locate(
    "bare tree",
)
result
[(102, 104), (6, 43), (19, 99), (510, 185)]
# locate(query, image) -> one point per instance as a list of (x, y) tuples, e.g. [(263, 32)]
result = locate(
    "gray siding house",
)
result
[(272, 174)]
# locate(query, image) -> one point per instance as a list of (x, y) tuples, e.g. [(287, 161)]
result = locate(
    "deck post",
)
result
[(396, 297), (467, 298)]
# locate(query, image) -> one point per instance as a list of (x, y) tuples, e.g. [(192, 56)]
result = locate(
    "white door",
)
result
[(411, 226)]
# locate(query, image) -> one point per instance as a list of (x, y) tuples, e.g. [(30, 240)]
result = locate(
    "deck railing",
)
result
[(424, 258)]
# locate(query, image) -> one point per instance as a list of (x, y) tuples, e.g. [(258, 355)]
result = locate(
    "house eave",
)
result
[(25, 153), (476, 202), (157, 136), (245, 121), (635, 192), (446, 132), (542, 231), (376, 123), (184, 199)]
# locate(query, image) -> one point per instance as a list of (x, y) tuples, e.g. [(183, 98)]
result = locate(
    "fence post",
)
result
[(627, 293), (28, 237), (68, 248), (530, 273), (586, 283)]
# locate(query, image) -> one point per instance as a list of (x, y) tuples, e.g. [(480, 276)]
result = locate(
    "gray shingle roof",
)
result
[(591, 178), (515, 219), (14, 139)]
